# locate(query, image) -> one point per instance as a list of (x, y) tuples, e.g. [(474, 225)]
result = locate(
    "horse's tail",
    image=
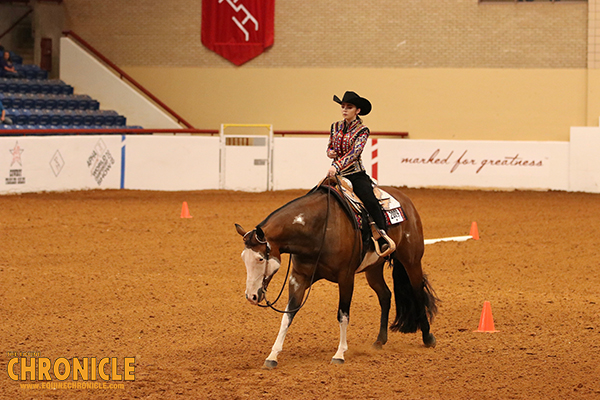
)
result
[(411, 305)]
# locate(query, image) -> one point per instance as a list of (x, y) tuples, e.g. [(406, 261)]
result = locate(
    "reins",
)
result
[(272, 304)]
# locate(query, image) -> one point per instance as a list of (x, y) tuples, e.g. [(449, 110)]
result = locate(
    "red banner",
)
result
[(238, 30)]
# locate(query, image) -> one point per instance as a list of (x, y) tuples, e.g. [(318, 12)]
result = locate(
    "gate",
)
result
[(246, 157)]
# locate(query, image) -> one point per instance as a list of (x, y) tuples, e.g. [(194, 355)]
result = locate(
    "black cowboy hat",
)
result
[(353, 98)]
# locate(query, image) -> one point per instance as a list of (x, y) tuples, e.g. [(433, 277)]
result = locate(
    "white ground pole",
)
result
[(473, 232), (449, 239)]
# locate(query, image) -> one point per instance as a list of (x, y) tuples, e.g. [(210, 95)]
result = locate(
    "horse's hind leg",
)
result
[(377, 282)]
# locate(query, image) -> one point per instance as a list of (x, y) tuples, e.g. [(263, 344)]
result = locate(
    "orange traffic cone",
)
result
[(474, 232), (486, 322), (185, 211)]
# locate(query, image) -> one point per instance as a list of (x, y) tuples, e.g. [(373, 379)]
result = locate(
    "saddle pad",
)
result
[(391, 207)]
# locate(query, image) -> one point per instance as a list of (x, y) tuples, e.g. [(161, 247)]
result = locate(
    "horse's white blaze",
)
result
[(299, 219), (293, 282), (256, 271), (278, 346), (343, 342)]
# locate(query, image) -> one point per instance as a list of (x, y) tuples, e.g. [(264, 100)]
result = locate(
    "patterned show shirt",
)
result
[(348, 141)]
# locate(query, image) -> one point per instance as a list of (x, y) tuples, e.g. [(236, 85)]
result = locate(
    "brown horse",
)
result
[(319, 234)]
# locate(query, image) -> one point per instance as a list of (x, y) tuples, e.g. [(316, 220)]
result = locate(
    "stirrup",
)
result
[(387, 248)]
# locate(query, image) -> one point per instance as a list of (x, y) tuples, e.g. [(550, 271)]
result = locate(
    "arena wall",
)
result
[(448, 69), (194, 162)]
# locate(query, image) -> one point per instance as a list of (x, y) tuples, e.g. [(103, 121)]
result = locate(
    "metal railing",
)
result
[(123, 75)]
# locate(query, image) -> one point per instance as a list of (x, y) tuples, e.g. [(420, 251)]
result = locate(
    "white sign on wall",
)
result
[(30, 164), (490, 164)]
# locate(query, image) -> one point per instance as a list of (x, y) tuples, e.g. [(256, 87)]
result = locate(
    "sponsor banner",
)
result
[(31, 164), (484, 164), (238, 30)]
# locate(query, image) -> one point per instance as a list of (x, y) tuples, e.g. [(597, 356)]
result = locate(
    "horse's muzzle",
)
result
[(256, 298)]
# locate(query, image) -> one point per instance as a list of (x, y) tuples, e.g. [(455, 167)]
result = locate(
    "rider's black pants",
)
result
[(364, 190)]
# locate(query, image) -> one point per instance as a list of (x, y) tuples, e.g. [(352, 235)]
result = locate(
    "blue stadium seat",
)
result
[(77, 118), (66, 119), (55, 89), (61, 103), (34, 88), (29, 74), (12, 87), (21, 118), (72, 104), (44, 118), (67, 89), (46, 88), (51, 103), (98, 119), (24, 87), (120, 120), (33, 119), (39, 103), (88, 119), (56, 118), (17, 102), (7, 102), (93, 105), (83, 104), (109, 119), (28, 102)]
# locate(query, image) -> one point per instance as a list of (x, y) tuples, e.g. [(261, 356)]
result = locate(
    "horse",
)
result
[(324, 243)]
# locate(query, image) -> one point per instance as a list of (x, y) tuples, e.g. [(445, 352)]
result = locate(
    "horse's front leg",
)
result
[(346, 287), (297, 288)]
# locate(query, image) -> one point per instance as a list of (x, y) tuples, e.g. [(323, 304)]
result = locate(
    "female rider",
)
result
[(346, 143)]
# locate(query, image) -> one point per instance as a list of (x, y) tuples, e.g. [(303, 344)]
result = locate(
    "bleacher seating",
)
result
[(36, 102)]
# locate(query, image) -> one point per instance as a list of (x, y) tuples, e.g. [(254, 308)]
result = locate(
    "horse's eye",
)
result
[(261, 259)]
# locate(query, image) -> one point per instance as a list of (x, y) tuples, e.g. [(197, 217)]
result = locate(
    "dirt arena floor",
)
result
[(120, 274)]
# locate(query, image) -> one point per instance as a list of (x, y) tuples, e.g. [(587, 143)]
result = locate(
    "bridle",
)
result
[(312, 279)]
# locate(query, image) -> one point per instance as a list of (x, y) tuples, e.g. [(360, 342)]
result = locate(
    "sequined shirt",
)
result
[(348, 141)]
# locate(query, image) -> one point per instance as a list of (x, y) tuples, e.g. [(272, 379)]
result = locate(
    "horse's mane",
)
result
[(316, 189), (264, 221)]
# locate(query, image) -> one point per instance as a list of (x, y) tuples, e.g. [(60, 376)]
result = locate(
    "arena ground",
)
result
[(120, 274)]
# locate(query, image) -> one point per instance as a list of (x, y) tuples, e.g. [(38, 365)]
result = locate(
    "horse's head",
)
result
[(262, 262)]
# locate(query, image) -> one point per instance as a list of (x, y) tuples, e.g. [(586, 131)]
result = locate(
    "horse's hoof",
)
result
[(378, 345), (430, 341), (270, 364), (337, 361)]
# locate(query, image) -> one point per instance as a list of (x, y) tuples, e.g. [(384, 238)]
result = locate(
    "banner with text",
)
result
[(483, 164), (31, 164)]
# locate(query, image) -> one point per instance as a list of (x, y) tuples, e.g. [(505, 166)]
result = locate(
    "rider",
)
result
[(346, 143)]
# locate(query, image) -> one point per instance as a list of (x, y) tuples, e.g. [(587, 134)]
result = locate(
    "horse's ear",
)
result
[(240, 230), (260, 235)]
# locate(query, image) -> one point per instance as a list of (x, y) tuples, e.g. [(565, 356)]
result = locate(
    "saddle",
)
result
[(392, 209)]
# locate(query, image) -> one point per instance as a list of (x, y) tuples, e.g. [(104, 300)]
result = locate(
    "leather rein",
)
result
[(267, 279)]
